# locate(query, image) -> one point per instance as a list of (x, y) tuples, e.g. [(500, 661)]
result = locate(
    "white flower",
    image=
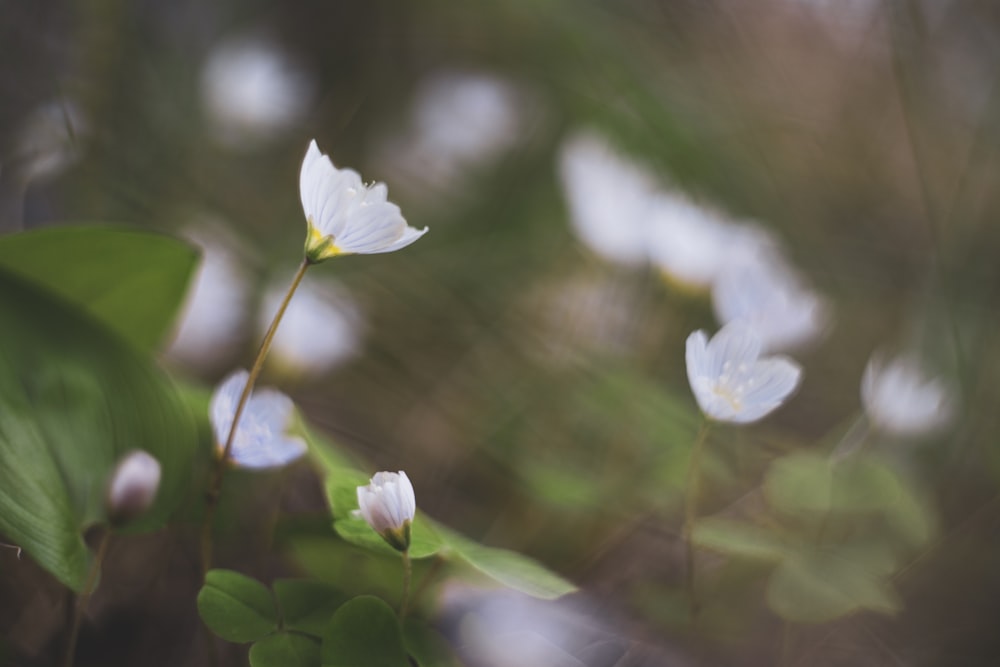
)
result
[(345, 216), (608, 196), (212, 321), (388, 505), (252, 91), (261, 441), (133, 486), (901, 400), (729, 379), (692, 243), (320, 329), (767, 295)]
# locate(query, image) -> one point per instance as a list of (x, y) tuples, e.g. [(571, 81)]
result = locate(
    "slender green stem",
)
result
[(691, 485), (407, 574), (219, 471), (84, 597)]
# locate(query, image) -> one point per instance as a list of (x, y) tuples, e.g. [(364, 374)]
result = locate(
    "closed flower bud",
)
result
[(133, 486), (388, 505)]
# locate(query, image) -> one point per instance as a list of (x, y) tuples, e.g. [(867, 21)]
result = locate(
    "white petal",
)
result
[(273, 453), (774, 381), (223, 406), (735, 344)]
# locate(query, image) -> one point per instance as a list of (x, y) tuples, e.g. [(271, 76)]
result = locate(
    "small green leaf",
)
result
[(737, 538), (342, 491), (821, 585), (307, 605), (235, 607), (364, 633), (507, 567), (283, 649), (133, 281), (424, 541)]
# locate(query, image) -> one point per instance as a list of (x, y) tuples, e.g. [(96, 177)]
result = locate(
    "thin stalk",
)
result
[(84, 597), (407, 574), (219, 471), (691, 513)]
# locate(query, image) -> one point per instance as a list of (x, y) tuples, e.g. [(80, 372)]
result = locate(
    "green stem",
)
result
[(84, 597), (691, 513), (219, 471), (407, 573)]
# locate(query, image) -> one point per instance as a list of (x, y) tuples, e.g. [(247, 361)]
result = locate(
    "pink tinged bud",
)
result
[(388, 505), (133, 486)]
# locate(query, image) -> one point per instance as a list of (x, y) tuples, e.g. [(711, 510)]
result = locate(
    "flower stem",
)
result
[(219, 470), (84, 597), (407, 573), (691, 513)]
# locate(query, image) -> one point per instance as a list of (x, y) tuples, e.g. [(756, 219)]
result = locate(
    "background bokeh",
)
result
[(533, 386)]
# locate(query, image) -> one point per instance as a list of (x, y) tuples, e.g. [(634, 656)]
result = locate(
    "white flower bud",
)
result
[(388, 505), (133, 486)]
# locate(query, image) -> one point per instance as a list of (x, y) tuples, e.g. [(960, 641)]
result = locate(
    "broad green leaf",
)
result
[(283, 649), (424, 541), (824, 584), (737, 538), (428, 647), (307, 605), (509, 568), (364, 633), (235, 607), (133, 281), (74, 398), (800, 483), (342, 491)]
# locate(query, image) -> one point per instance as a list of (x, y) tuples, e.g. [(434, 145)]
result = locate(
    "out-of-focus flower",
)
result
[(499, 628), (764, 293), (345, 216), (692, 243), (729, 379), (901, 400), (388, 505), (261, 440), (50, 139), (320, 329), (252, 91), (460, 120), (133, 486), (211, 323), (608, 197)]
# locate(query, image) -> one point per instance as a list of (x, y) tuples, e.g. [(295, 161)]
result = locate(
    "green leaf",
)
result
[(821, 585), (74, 399), (283, 649), (364, 633), (428, 647), (132, 281), (800, 483), (342, 491), (737, 538), (424, 541), (307, 605), (507, 567), (235, 607)]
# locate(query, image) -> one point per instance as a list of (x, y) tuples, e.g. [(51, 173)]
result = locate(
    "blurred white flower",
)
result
[(133, 486), (901, 400), (261, 440), (692, 243), (608, 197), (344, 215), (459, 121), (211, 323), (50, 139), (765, 293), (320, 329), (729, 379), (388, 505), (252, 91)]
